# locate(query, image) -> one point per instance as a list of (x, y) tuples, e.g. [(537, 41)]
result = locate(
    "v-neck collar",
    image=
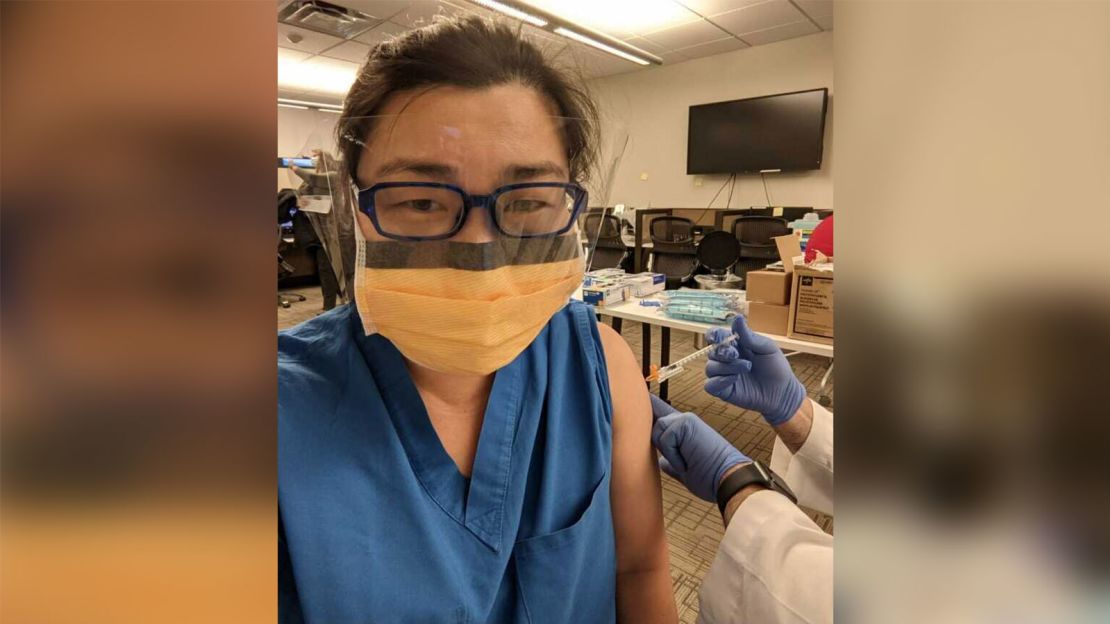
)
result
[(477, 503)]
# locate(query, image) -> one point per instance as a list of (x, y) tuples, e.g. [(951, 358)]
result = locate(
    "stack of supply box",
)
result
[(796, 302), (605, 287), (769, 300)]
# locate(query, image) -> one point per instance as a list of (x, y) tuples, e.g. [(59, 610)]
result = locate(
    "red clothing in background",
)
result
[(821, 239)]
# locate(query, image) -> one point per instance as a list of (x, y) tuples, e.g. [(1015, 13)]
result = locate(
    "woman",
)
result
[(462, 445)]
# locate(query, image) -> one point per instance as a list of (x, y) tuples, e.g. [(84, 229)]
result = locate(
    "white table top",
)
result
[(633, 311)]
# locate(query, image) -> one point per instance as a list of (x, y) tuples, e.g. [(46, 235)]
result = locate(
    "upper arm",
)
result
[(635, 491)]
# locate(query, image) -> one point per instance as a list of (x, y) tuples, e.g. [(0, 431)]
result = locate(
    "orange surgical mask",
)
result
[(465, 307)]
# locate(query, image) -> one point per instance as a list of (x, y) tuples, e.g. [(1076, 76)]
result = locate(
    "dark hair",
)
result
[(474, 53)]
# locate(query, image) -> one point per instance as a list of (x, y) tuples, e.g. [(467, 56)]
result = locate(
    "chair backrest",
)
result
[(678, 267), (605, 229), (759, 230), (287, 205), (672, 230), (757, 249), (673, 251), (608, 258)]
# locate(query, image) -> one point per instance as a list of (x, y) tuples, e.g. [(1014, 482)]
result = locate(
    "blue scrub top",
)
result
[(376, 523)]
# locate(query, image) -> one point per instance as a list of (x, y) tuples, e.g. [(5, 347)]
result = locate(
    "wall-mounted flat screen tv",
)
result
[(784, 132)]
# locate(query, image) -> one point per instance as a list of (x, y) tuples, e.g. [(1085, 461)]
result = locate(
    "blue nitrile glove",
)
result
[(692, 451), (752, 373)]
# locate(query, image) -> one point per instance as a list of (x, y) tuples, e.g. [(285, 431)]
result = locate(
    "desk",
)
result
[(649, 315)]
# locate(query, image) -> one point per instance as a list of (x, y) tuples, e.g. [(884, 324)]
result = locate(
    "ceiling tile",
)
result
[(645, 44), (464, 7), (728, 44), (291, 56), (713, 7), (348, 51), (758, 17), (779, 33), (619, 18), (686, 35), (549, 44), (323, 97), (595, 65), (329, 64), (311, 41), (674, 56), (290, 94), (380, 33), (813, 8), (380, 9), (824, 21), (423, 12)]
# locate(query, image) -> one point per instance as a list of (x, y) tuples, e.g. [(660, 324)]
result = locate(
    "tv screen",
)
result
[(785, 132)]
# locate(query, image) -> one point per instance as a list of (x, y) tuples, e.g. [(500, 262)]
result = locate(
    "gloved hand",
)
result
[(752, 373), (692, 451)]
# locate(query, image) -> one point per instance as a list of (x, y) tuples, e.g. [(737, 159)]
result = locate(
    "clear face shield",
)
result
[(320, 182), (314, 174), (467, 233)]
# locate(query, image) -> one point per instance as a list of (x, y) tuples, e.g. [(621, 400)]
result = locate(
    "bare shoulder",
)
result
[(617, 351), (626, 384)]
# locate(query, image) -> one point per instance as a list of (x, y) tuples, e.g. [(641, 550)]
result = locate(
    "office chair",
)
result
[(287, 205), (610, 251), (285, 270), (672, 250), (757, 249)]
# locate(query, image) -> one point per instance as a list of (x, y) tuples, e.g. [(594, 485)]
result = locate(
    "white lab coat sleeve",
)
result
[(809, 472), (774, 566)]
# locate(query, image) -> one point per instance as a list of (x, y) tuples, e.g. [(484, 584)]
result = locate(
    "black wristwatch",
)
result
[(753, 473)]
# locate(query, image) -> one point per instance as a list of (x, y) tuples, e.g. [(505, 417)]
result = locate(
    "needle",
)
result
[(663, 374)]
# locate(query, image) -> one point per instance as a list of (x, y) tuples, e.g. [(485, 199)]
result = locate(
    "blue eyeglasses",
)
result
[(416, 211)]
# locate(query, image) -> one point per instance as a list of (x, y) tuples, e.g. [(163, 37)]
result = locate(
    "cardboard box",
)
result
[(602, 276), (646, 284), (605, 294), (790, 251), (769, 287), (768, 318), (811, 307)]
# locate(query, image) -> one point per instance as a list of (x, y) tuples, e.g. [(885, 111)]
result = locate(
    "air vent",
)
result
[(327, 18)]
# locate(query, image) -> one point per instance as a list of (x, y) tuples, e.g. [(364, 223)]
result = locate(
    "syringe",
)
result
[(663, 374)]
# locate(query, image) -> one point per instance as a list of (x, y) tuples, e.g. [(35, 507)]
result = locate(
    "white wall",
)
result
[(652, 107)]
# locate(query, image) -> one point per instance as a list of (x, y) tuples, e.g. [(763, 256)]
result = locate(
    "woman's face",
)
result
[(477, 139)]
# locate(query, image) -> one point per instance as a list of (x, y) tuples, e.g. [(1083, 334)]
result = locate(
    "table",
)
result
[(649, 315)]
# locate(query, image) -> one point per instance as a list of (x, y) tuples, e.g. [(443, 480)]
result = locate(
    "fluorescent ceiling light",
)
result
[(570, 34), (306, 104), (280, 105), (512, 12), (619, 18), (325, 75)]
